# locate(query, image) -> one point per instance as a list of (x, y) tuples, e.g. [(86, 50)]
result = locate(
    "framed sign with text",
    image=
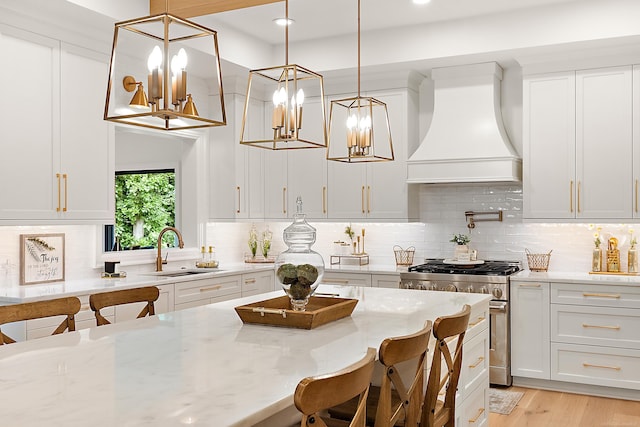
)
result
[(41, 258)]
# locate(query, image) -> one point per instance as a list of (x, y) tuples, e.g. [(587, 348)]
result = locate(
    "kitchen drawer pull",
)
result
[(588, 294), (362, 199), (571, 197), (529, 285), (585, 325), (636, 196), (478, 362), (324, 200), (589, 365), (578, 197), (58, 177), (472, 324), (284, 200), (238, 190), (212, 288), (64, 176), (263, 310), (478, 415), (250, 281), (341, 282)]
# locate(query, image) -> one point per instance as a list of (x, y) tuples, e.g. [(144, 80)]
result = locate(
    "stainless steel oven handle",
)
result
[(500, 306)]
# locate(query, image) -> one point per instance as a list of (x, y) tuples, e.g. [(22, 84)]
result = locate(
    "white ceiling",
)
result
[(323, 18)]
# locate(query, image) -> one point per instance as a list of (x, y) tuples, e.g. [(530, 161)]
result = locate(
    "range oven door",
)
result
[(499, 343)]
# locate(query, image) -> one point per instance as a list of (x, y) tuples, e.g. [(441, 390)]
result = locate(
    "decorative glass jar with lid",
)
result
[(299, 269)]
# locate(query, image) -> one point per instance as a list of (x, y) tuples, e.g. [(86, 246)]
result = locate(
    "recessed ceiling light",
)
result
[(421, 1), (283, 21)]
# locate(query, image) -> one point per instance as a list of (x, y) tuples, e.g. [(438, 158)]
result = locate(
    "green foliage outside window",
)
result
[(148, 199)]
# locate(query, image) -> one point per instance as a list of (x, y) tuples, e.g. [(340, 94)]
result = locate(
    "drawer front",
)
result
[(474, 410), (595, 295), (257, 283), (604, 366), (478, 322), (206, 289), (347, 279), (475, 363), (600, 326)]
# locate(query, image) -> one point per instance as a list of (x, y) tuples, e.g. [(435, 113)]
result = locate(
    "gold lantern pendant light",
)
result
[(367, 135), (171, 43), (287, 86)]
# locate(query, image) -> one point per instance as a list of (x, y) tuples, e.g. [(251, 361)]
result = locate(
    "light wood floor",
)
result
[(541, 408)]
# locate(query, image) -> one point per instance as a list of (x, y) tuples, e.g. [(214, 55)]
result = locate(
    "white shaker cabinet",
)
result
[(86, 140), (549, 146), (30, 122), (604, 143), (258, 283), (61, 150), (235, 170), (578, 144), (530, 323)]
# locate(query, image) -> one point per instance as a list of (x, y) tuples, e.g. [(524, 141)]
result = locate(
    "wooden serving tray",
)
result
[(277, 312)]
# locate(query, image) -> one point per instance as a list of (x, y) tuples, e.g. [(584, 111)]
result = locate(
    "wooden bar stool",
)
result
[(68, 307), (101, 300), (313, 395), (435, 412), (394, 403)]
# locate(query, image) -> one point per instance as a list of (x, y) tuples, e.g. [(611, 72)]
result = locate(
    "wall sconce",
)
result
[(172, 45)]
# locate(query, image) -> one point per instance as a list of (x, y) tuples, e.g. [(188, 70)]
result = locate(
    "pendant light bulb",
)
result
[(352, 122), (365, 123), (155, 59), (300, 97)]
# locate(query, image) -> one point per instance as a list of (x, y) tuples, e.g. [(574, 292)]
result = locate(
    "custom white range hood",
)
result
[(466, 141)]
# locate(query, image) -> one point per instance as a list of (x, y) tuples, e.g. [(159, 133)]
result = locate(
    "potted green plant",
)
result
[(461, 250)]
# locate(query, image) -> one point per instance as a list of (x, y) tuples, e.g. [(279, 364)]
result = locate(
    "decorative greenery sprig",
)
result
[(633, 241), (349, 232), (460, 239)]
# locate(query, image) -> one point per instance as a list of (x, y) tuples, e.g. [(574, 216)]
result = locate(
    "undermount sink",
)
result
[(183, 272)]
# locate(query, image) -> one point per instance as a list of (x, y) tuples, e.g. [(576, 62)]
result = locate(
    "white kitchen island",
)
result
[(203, 366)]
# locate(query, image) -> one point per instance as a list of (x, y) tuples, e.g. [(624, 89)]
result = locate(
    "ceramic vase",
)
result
[(596, 260)]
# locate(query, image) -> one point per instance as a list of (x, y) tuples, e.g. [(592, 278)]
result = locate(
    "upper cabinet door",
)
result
[(636, 141), (29, 119), (549, 142), (87, 141), (604, 143)]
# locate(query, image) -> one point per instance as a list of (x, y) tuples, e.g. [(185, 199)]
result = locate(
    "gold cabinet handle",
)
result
[(579, 197), (58, 177), (368, 199), (587, 294), (248, 281), (616, 328), (478, 415), (478, 362), (238, 190), (324, 200), (529, 285), (571, 196), (64, 176), (284, 200), (362, 201), (590, 365), (472, 324), (212, 288), (341, 282), (636, 196)]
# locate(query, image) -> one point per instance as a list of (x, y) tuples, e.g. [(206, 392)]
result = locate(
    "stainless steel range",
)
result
[(488, 277)]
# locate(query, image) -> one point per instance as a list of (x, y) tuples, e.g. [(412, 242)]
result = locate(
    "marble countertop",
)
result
[(28, 293), (370, 268), (199, 366), (571, 277)]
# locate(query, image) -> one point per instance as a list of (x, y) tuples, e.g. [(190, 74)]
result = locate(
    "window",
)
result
[(145, 204)]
